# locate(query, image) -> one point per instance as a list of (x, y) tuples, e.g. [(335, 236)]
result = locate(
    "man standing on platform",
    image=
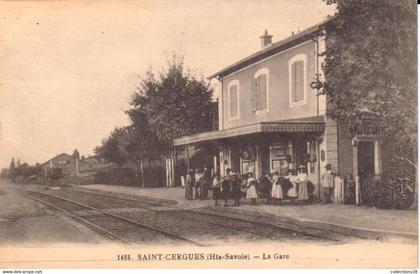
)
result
[(327, 184)]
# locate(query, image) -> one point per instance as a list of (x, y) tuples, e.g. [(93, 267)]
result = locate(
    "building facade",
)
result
[(69, 165), (271, 119)]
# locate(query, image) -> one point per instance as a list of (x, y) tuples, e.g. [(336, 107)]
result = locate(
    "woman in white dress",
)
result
[(292, 192), (276, 190), (251, 192), (302, 179)]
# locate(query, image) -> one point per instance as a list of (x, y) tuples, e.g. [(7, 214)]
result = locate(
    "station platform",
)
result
[(361, 221)]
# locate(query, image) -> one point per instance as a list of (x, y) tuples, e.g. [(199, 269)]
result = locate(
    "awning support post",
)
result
[(188, 157)]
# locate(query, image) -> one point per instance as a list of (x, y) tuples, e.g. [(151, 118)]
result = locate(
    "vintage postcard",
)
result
[(208, 134)]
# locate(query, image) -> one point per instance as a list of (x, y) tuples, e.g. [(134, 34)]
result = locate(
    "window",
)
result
[(297, 80), (260, 96), (233, 99)]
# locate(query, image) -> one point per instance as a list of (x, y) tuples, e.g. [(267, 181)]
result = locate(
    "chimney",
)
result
[(265, 40)]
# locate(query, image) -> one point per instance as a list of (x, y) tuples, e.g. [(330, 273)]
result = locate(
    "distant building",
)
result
[(70, 166)]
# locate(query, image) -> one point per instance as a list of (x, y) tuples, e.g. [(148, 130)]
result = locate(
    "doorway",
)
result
[(366, 171)]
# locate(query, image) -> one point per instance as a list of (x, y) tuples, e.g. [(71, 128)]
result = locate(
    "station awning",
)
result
[(303, 125)]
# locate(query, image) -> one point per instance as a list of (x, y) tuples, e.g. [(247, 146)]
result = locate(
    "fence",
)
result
[(369, 189)]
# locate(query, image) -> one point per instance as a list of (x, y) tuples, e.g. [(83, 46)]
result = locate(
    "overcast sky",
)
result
[(67, 68)]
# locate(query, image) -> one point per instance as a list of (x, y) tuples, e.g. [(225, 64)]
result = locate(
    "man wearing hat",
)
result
[(226, 187), (228, 172), (236, 188), (327, 182)]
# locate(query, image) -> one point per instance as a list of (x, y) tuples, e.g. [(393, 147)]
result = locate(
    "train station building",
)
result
[(271, 119)]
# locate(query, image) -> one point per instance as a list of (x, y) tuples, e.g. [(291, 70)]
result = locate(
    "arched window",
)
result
[(233, 100), (297, 80), (261, 90)]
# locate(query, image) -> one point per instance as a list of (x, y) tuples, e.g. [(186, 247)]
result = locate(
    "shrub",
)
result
[(116, 176), (395, 192)]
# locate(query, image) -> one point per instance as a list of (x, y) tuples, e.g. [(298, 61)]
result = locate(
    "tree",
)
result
[(12, 169), (173, 104), (370, 73), (76, 154), (113, 148), (163, 107), (142, 145), (130, 144), (12, 165)]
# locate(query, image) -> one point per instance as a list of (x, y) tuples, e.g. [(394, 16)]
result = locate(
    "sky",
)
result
[(68, 68)]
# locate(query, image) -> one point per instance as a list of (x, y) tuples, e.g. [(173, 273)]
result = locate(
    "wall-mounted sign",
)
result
[(278, 151), (248, 153)]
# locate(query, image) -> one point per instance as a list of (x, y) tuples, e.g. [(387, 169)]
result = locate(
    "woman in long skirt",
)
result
[(302, 179), (251, 192), (198, 178), (189, 184), (292, 192), (276, 190)]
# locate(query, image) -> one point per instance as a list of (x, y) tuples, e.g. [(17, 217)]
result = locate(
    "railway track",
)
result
[(150, 203), (228, 222), (157, 219), (113, 225)]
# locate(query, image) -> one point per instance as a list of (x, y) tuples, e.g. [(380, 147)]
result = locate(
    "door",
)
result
[(301, 151), (366, 170)]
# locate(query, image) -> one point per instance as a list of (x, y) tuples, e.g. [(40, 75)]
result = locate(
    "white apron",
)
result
[(251, 192), (302, 178), (276, 190), (292, 193)]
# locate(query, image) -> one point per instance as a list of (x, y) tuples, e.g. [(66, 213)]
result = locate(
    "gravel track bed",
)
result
[(207, 227), (189, 224), (96, 200), (126, 230)]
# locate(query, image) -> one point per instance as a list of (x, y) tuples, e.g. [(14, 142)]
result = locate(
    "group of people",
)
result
[(231, 186), (197, 184), (276, 187), (291, 186)]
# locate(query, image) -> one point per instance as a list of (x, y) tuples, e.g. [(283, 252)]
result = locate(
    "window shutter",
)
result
[(233, 97), (299, 88), (254, 87), (262, 92), (293, 71)]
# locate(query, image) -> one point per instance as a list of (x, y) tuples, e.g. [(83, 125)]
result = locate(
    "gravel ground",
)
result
[(203, 228), (212, 229), (404, 221), (25, 222)]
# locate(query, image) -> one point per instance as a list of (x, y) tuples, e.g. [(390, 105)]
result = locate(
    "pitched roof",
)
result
[(58, 155), (273, 49)]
